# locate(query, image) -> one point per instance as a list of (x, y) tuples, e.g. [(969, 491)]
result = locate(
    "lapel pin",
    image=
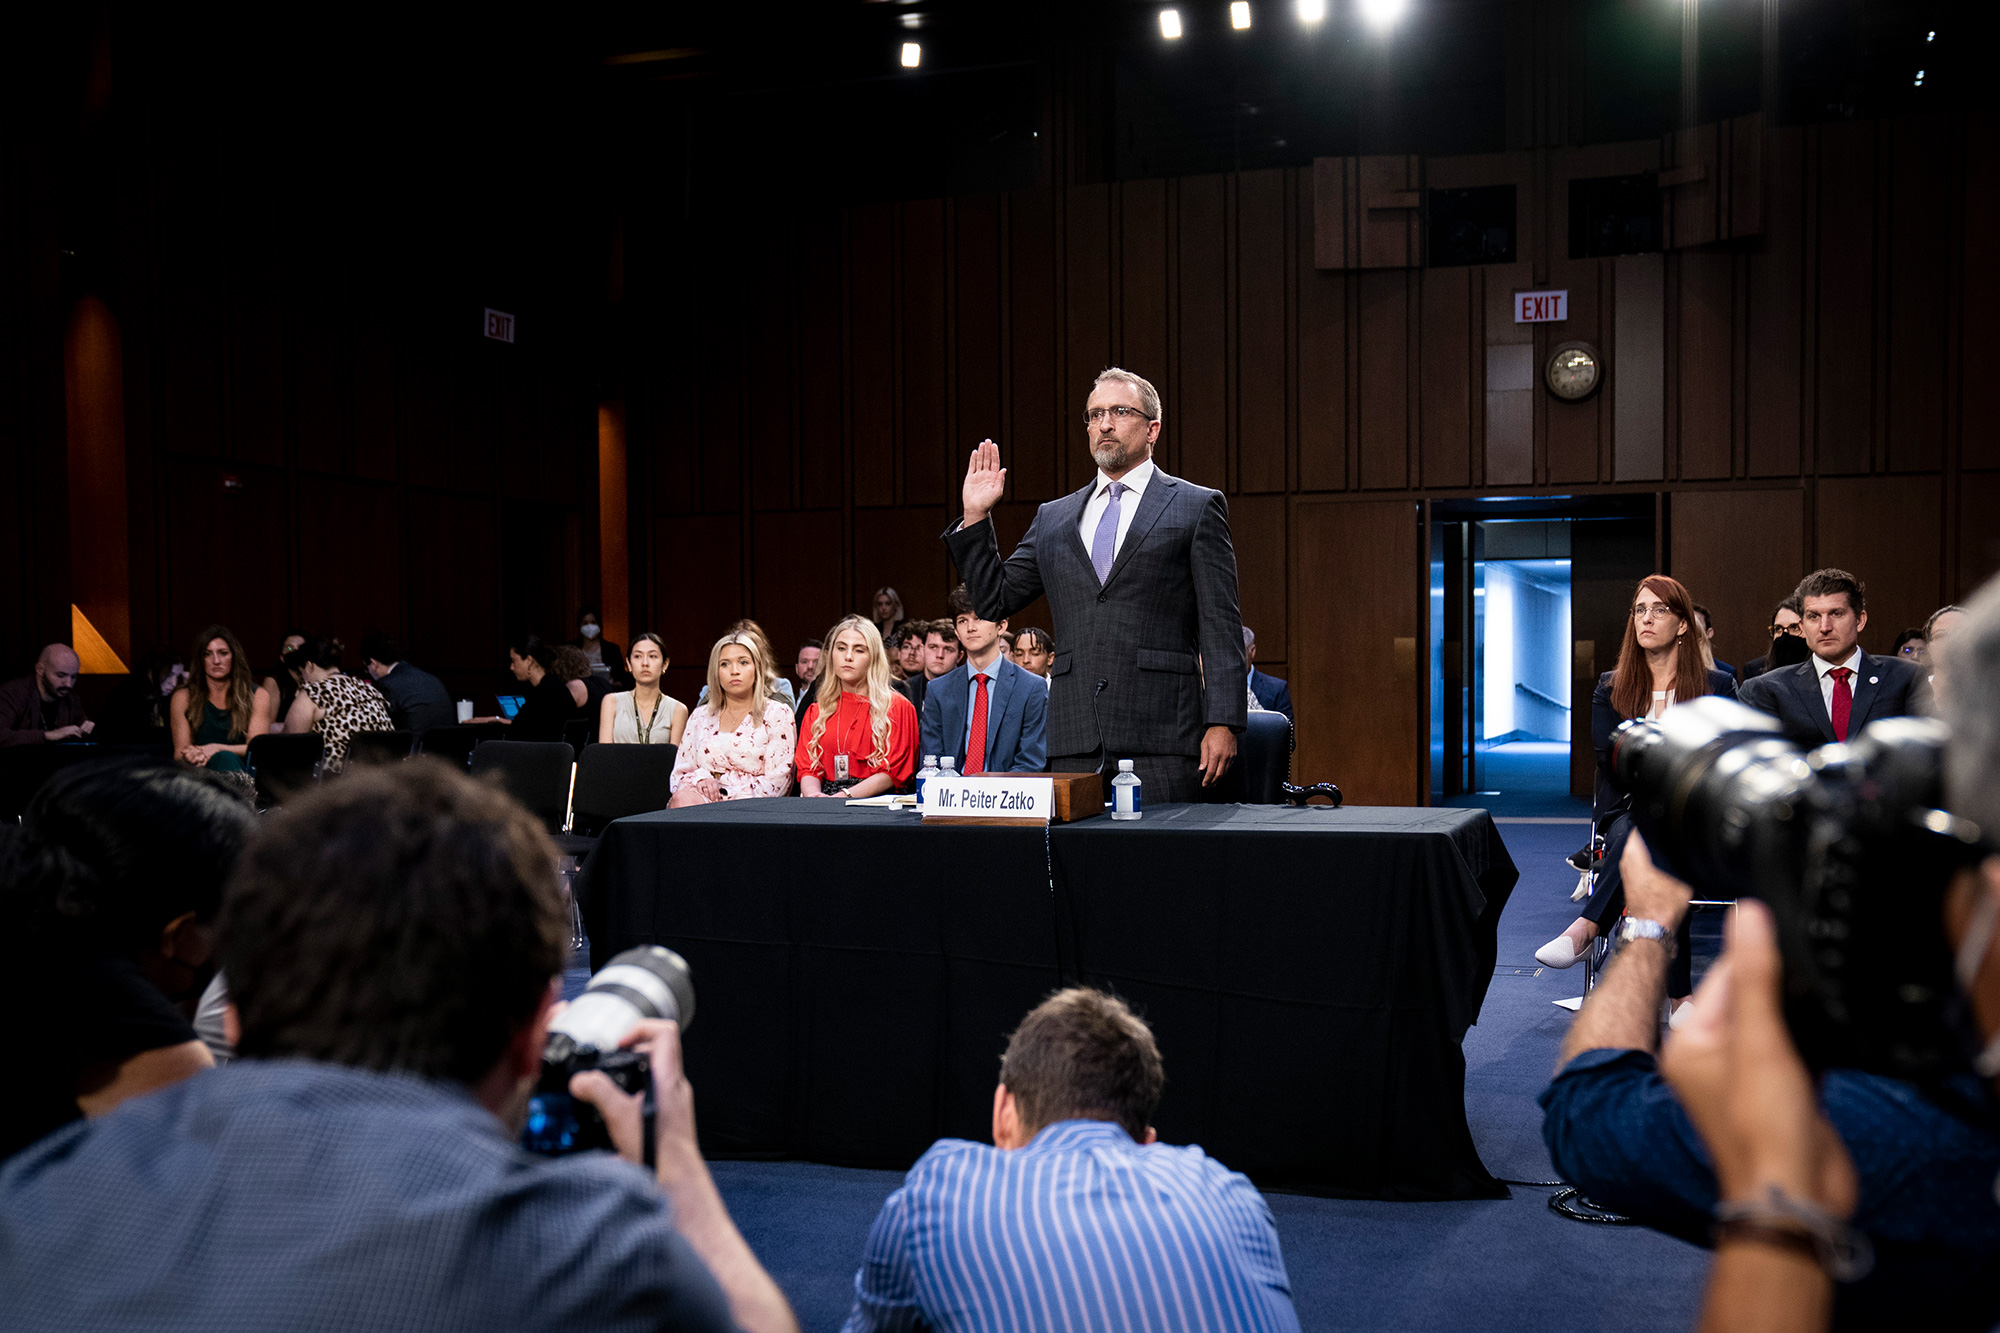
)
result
[(1874, 680)]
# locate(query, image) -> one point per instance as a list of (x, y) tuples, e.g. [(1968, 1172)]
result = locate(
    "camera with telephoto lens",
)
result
[(646, 982), (1849, 848)]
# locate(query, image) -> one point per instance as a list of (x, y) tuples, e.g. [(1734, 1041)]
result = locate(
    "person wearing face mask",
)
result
[(738, 744), (112, 882), (604, 656), (334, 705), (281, 682)]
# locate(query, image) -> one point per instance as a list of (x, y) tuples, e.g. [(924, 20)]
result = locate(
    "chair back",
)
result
[(579, 732), (454, 744), (535, 773), (1263, 762), (379, 747), (283, 765), (613, 781)]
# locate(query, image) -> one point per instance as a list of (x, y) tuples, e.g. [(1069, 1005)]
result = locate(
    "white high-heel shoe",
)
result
[(1560, 952)]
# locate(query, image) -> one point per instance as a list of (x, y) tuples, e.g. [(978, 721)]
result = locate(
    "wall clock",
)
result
[(1574, 371)]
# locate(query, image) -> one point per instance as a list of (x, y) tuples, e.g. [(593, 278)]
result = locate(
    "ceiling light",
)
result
[(912, 54), (1239, 14), (1382, 13), (1312, 11), (1170, 23)]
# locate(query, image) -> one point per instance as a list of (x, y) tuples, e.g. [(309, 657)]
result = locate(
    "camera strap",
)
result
[(1971, 957)]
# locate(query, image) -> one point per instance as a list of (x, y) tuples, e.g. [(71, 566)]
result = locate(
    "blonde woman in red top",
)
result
[(857, 715)]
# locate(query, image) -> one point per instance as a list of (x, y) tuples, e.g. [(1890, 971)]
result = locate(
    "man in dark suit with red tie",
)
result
[(1839, 690)]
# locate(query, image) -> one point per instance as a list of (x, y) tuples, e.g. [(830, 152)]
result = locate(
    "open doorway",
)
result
[(1519, 625)]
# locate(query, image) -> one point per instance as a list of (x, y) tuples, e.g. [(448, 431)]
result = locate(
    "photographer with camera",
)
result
[(393, 943), (1898, 1133)]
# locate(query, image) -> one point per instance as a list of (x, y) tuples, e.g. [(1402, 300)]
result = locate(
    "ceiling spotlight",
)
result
[(913, 55), (1239, 14), (1382, 13), (1312, 11), (1170, 23)]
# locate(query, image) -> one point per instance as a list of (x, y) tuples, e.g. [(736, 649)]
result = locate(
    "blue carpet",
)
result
[(1501, 1264)]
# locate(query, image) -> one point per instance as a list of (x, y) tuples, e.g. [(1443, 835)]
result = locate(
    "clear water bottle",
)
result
[(1125, 792), (924, 775), (947, 766)]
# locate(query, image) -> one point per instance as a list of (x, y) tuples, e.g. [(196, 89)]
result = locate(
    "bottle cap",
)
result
[(948, 762), (930, 761), (1124, 765)]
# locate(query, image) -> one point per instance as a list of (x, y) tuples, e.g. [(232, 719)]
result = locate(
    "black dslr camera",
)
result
[(1849, 848), (647, 982)]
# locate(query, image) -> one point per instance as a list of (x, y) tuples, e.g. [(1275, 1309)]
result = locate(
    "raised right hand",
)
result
[(985, 482)]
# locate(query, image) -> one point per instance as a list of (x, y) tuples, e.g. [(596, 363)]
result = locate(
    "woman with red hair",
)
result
[(1660, 664)]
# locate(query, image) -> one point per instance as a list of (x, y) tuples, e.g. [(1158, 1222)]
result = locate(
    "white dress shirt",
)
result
[(1825, 669), (1128, 505)]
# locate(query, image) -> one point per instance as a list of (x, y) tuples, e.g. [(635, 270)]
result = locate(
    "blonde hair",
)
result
[(760, 662), (879, 694)]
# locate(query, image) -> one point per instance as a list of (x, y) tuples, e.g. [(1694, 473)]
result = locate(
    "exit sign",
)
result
[(499, 325), (1540, 307)]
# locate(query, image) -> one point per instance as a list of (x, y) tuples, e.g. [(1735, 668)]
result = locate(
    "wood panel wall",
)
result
[(1803, 396)]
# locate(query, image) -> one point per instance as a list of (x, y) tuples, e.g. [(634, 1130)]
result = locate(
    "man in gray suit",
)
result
[(1141, 578)]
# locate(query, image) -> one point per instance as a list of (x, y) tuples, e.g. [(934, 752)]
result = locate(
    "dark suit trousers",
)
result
[(1162, 777), (1607, 903)]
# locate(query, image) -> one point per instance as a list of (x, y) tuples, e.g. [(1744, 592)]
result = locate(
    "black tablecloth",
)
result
[(1309, 973)]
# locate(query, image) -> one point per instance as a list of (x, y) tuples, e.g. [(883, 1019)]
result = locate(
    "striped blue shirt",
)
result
[(1080, 1229)]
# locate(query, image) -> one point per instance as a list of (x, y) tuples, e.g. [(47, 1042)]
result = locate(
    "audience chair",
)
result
[(283, 765), (454, 744), (613, 781), (579, 732), (535, 773), (380, 747)]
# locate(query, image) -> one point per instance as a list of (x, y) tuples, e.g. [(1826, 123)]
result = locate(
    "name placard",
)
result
[(1010, 798)]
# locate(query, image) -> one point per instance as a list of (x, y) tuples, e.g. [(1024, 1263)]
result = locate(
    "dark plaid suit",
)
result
[(1167, 612)]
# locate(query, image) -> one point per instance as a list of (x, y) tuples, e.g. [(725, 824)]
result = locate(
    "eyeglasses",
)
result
[(1119, 414), (1795, 629), (1648, 610)]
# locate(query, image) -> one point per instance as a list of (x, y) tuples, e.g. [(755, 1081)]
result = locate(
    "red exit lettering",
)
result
[(1540, 307)]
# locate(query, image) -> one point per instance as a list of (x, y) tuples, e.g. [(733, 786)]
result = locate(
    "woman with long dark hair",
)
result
[(1660, 664), (333, 704), (221, 709), (644, 714)]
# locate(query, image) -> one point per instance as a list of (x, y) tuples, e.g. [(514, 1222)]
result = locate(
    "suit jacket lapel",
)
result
[(996, 706), (1866, 673), (1073, 521), (1805, 679), (1151, 505)]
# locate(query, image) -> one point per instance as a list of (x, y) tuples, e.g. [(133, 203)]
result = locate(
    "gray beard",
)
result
[(1112, 458)]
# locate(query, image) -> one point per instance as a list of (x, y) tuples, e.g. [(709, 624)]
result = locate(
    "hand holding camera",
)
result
[(1734, 1068), (658, 1040)]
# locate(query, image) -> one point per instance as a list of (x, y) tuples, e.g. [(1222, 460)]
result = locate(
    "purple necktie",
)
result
[(1105, 544)]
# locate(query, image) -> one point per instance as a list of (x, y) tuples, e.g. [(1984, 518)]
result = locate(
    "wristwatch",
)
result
[(1639, 928)]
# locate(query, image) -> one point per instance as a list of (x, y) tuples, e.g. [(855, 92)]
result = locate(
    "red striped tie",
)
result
[(975, 741)]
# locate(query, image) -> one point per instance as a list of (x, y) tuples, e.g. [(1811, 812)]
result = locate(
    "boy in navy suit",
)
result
[(989, 715)]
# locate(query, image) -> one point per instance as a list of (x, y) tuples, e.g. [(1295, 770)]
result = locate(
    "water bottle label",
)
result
[(1125, 798)]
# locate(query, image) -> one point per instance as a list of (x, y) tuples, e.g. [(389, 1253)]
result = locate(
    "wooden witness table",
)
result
[(1309, 973)]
